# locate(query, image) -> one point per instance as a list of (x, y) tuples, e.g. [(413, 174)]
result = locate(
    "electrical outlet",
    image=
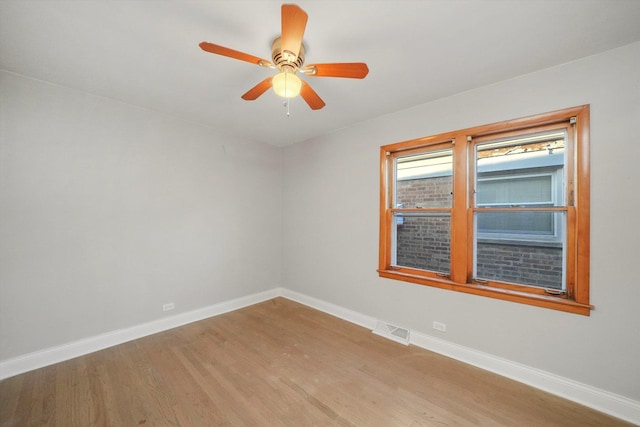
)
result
[(438, 326), (167, 307)]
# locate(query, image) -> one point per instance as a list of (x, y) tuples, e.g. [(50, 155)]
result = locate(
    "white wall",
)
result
[(108, 211), (331, 196)]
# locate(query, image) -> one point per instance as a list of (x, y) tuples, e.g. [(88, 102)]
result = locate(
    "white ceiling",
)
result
[(145, 52)]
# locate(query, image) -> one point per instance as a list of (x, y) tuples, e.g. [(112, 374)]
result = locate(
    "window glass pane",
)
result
[(521, 170), (537, 263), (537, 150), (424, 180), (423, 241)]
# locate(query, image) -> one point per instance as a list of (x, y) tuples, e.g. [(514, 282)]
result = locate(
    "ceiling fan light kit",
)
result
[(287, 55), (286, 84)]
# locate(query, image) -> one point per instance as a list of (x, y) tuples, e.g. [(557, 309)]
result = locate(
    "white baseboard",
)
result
[(601, 400), (49, 356), (598, 399), (329, 308)]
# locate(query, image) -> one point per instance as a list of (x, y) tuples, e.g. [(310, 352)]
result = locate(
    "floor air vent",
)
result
[(392, 332)]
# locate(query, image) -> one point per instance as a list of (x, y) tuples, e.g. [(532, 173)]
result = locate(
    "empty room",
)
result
[(349, 213)]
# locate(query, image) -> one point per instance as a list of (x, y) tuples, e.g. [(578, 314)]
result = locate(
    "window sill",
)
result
[(538, 300)]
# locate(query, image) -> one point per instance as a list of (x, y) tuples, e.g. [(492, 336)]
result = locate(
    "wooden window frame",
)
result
[(576, 298)]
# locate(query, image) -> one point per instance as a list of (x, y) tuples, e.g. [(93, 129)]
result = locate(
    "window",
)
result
[(500, 210)]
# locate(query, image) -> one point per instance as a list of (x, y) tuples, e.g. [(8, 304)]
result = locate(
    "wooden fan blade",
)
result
[(353, 70), (311, 97), (225, 51), (258, 90), (294, 21)]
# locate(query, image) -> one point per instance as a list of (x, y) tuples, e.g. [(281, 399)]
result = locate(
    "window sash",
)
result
[(522, 262), (428, 254)]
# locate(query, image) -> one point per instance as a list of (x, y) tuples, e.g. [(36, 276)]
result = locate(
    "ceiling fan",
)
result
[(287, 56)]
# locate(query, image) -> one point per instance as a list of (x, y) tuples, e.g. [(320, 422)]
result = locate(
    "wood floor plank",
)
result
[(13, 400), (277, 363)]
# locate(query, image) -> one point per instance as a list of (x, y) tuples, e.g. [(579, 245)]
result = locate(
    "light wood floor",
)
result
[(277, 363)]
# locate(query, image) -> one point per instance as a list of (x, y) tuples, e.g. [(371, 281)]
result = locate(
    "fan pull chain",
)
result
[(288, 101), (286, 105)]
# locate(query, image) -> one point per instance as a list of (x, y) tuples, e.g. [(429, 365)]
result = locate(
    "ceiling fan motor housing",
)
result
[(286, 60)]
